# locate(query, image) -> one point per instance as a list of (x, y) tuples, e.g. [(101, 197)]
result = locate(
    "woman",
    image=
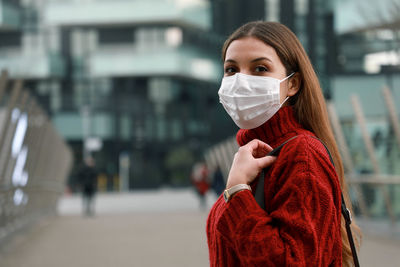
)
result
[(272, 93)]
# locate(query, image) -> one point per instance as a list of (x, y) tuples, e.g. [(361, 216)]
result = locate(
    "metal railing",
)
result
[(34, 159)]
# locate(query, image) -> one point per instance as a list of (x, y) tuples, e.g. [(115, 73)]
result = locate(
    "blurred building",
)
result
[(367, 34), (353, 46), (134, 82), (313, 23), (228, 15), (10, 15), (131, 79)]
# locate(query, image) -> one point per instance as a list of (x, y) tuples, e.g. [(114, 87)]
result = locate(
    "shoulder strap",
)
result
[(259, 196), (259, 193)]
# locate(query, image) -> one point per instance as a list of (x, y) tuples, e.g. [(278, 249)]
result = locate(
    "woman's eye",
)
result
[(230, 70), (261, 69)]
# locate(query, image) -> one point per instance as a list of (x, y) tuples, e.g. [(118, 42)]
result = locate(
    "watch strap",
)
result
[(228, 193)]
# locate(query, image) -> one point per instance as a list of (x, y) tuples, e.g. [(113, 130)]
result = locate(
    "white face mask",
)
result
[(250, 100)]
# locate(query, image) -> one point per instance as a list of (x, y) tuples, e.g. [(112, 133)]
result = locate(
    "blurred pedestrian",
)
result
[(87, 176), (200, 180), (218, 183), (272, 93)]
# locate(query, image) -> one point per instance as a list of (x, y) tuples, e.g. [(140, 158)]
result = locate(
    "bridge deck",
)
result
[(155, 228)]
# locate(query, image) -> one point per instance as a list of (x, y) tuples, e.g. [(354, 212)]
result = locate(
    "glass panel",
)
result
[(125, 127)]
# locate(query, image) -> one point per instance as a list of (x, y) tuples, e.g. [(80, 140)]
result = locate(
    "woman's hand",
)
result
[(248, 162)]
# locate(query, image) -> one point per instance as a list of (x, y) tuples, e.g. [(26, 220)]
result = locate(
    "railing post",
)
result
[(347, 161), (371, 153), (394, 119)]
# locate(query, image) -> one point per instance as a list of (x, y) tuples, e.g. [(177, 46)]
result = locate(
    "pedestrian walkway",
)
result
[(147, 228)]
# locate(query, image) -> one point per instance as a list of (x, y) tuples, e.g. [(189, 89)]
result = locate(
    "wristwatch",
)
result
[(228, 193)]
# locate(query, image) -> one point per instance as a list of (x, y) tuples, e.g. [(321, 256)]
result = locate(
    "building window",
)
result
[(55, 96), (125, 127), (115, 36), (176, 130), (10, 39), (272, 10), (161, 129), (150, 38)]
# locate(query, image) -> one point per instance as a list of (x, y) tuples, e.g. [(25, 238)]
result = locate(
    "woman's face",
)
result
[(251, 56)]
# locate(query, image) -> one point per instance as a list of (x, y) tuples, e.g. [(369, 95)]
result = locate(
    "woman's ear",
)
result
[(294, 84)]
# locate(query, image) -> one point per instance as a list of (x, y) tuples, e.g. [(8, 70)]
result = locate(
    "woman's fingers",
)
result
[(258, 148), (248, 161), (260, 151), (266, 161)]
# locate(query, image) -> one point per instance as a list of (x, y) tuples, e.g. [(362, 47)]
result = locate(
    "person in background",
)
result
[(87, 176), (218, 182), (272, 93), (200, 181)]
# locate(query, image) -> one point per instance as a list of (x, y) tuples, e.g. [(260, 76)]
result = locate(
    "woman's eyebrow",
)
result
[(252, 61), (261, 58), (230, 60)]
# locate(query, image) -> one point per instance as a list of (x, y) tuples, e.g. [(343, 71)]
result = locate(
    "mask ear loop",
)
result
[(280, 105), (287, 77)]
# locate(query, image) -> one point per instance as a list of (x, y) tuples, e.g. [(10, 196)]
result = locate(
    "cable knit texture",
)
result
[(301, 223)]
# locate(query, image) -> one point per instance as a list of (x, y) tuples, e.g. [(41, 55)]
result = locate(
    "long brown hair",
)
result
[(308, 104)]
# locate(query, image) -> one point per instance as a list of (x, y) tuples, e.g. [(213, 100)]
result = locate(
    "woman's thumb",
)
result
[(266, 161)]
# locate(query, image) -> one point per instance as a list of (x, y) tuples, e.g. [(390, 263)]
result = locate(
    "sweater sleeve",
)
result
[(302, 223)]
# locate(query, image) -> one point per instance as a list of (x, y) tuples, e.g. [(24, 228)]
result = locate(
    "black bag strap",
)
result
[(259, 196)]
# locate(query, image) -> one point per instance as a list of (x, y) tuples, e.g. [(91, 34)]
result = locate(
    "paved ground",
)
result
[(163, 228)]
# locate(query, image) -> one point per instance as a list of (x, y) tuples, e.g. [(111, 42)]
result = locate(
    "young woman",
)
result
[(272, 93)]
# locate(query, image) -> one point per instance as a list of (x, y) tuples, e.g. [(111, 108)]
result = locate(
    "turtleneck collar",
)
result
[(275, 131)]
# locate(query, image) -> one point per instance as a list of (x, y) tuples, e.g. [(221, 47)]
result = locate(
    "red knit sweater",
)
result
[(301, 224)]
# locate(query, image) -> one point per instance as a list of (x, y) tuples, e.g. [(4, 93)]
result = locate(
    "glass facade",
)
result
[(313, 23), (143, 81), (228, 15), (10, 15)]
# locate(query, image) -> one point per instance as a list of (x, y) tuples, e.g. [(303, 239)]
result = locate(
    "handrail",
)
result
[(34, 160), (380, 179)]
